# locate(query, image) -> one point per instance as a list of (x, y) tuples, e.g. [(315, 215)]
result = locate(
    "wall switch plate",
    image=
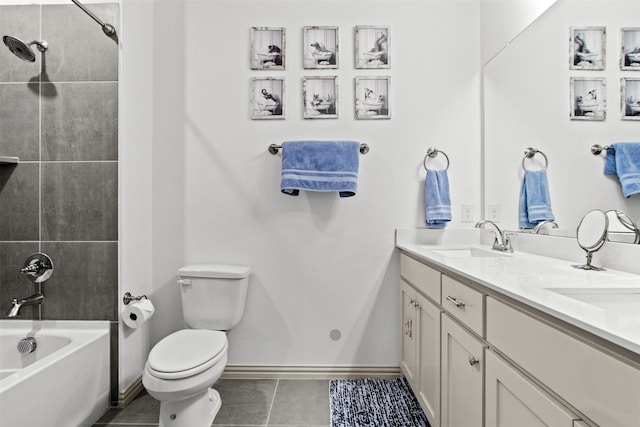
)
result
[(493, 212), (467, 212)]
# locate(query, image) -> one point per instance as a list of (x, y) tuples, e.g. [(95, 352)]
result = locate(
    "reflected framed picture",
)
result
[(320, 47), (587, 47), (372, 46), (630, 49), (630, 97), (320, 97), (267, 98), (267, 48), (372, 98), (588, 98)]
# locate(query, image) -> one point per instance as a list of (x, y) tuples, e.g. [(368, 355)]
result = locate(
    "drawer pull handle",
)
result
[(473, 360), (454, 300)]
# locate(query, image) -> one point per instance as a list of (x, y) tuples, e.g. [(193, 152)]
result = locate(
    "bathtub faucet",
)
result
[(35, 299)]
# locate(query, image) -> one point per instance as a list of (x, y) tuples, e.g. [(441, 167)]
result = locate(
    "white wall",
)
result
[(527, 104), (319, 262)]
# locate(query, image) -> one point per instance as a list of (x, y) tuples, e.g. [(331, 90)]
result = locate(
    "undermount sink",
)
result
[(619, 300), (469, 253)]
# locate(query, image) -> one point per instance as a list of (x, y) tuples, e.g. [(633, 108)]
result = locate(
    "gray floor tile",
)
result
[(301, 403), (143, 409), (245, 402)]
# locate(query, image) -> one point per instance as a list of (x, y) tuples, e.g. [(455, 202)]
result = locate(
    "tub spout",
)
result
[(16, 305)]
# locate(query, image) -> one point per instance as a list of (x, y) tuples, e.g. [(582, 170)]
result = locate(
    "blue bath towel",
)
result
[(327, 166), (623, 159), (437, 199), (535, 203)]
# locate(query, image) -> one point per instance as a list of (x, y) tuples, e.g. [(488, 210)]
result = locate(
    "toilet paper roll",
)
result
[(137, 313)]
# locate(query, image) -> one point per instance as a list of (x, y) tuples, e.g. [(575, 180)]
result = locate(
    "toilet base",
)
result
[(195, 411)]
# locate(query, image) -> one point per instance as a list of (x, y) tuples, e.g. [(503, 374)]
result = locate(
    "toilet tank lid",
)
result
[(215, 271)]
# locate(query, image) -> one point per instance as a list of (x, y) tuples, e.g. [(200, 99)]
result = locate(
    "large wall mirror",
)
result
[(527, 103)]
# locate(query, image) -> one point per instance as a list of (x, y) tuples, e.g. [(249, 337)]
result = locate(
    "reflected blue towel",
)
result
[(325, 166), (437, 199), (623, 159), (535, 203)]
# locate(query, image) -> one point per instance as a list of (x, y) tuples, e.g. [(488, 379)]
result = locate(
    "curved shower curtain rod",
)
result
[(107, 28)]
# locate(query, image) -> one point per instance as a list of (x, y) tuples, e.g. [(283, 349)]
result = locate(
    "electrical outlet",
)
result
[(467, 212), (493, 212)]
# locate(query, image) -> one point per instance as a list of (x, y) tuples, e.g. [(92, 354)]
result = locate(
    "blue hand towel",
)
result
[(535, 203), (437, 198), (623, 159), (325, 166)]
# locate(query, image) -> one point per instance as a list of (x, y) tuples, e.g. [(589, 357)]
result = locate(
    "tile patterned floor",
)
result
[(245, 403)]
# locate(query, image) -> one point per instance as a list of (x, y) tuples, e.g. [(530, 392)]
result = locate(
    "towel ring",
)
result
[(433, 152), (530, 152)]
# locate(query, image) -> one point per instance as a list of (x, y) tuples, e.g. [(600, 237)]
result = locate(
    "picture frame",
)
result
[(372, 97), (320, 48), (267, 98), (372, 46), (630, 98), (587, 47), (630, 49), (268, 48), (320, 97), (588, 98)]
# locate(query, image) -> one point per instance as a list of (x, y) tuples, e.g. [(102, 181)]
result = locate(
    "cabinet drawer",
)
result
[(604, 388), (423, 278), (464, 303)]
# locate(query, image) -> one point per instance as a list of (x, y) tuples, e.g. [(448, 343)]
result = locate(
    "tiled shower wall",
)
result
[(59, 115)]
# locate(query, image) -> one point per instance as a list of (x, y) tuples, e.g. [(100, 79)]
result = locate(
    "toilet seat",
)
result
[(186, 353)]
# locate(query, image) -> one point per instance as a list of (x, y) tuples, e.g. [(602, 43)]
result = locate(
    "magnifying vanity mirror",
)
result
[(622, 228), (592, 235)]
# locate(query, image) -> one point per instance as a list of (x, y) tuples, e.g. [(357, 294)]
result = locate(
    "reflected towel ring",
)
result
[(433, 152), (530, 152)]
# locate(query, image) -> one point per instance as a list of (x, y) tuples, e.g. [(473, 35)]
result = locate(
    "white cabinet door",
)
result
[(409, 312), (462, 376), (428, 391), (513, 400)]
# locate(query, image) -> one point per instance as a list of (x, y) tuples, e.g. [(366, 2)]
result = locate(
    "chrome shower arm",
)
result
[(107, 28)]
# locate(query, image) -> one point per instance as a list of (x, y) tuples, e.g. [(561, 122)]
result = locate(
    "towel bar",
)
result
[(433, 152), (530, 152), (597, 149), (274, 148)]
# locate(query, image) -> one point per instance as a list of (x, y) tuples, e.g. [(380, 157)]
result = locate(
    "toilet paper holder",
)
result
[(127, 298)]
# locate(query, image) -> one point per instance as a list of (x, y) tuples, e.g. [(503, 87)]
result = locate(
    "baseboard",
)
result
[(309, 371), (126, 396)]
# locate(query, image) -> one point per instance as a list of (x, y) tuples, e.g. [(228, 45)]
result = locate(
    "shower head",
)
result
[(22, 49)]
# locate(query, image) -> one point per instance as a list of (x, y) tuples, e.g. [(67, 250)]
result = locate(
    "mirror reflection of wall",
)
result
[(527, 103)]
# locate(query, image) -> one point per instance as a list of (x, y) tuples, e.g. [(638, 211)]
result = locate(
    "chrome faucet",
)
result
[(502, 242), (35, 299), (539, 226)]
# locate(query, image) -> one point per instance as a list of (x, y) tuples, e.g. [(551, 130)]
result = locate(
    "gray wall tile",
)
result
[(80, 201), (19, 202), (80, 121), (13, 284), (78, 49), (22, 22), (19, 119), (84, 284)]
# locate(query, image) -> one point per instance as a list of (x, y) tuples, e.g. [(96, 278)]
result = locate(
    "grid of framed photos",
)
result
[(321, 51), (588, 53)]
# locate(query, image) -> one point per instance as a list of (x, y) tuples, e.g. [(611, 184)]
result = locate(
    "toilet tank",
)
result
[(213, 295)]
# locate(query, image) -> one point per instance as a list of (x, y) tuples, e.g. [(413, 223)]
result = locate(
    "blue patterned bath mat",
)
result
[(374, 403)]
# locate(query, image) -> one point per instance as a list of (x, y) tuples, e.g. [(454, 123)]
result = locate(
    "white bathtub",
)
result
[(63, 383)]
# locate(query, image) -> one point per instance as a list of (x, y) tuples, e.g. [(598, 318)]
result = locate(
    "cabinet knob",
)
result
[(454, 300), (473, 360)]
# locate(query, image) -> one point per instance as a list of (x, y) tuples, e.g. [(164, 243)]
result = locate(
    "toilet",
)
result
[(182, 368)]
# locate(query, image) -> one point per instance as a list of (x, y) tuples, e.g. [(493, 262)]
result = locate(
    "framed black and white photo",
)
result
[(630, 49), (267, 98), (630, 96), (320, 97), (372, 97), (320, 46), (588, 98), (372, 46), (267, 48), (587, 46)]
